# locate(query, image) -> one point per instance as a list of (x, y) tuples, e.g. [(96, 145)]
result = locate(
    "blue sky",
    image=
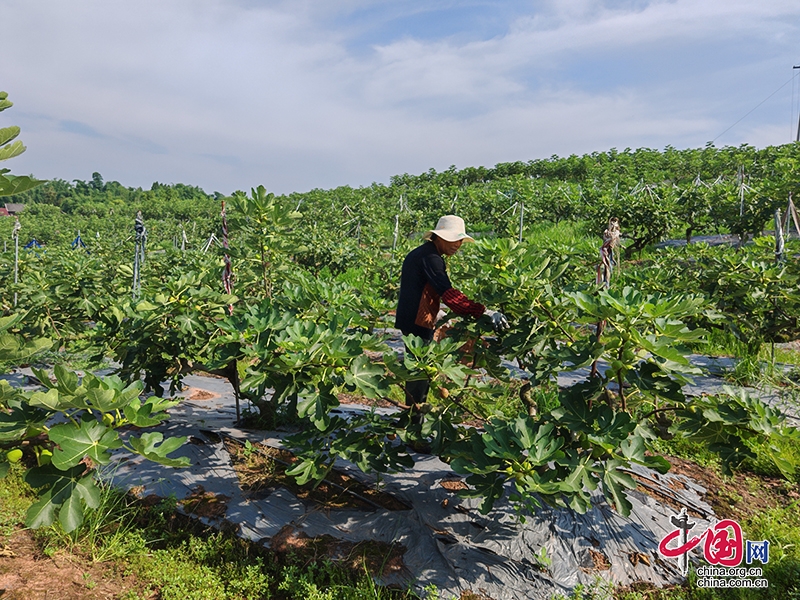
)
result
[(300, 94)]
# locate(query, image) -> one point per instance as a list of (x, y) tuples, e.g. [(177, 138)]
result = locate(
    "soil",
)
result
[(379, 558), (470, 595), (27, 574), (30, 575), (198, 394), (345, 398), (737, 497), (261, 469), (599, 560), (205, 504), (453, 485)]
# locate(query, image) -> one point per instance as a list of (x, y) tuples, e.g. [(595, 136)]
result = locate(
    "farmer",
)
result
[(424, 282)]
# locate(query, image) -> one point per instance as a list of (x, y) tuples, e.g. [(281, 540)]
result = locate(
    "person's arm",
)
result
[(454, 299), (461, 305)]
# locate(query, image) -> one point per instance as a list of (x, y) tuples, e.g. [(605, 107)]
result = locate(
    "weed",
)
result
[(324, 581), (15, 497), (566, 236), (281, 419), (600, 589), (487, 398), (177, 558), (769, 364), (762, 465), (689, 450), (748, 370), (249, 449), (547, 398), (108, 533), (787, 356), (88, 581), (542, 559), (431, 592), (780, 525)]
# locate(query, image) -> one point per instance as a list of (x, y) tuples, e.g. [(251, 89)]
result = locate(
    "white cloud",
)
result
[(230, 94)]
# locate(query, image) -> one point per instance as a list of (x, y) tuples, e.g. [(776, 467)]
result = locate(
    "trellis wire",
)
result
[(211, 240), (513, 208), (791, 211), (740, 181)]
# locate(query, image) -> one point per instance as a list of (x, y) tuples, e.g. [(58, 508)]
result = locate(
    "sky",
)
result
[(301, 94)]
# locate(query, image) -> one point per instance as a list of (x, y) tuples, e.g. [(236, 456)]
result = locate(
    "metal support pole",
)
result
[(741, 200), (396, 232), (778, 236), (791, 211), (15, 235), (139, 253), (227, 284), (797, 139)]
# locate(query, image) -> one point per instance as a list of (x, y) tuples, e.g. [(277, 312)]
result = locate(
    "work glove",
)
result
[(499, 321)]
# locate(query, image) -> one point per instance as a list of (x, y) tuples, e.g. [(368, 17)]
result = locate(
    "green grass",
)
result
[(781, 526), (178, 558), (688, 450), (204, 567), (106, 534), (568, 237), (763, 465), (15, 498), (765, 365)]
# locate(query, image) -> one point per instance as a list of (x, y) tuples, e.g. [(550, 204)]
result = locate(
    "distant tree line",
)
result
[(654, 194)]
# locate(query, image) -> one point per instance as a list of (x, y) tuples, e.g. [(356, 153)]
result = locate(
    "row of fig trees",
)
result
[(296, 341), (294, 336), (655, 194)]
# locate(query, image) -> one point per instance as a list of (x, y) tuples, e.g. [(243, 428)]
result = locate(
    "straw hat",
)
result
[(450, 228)]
